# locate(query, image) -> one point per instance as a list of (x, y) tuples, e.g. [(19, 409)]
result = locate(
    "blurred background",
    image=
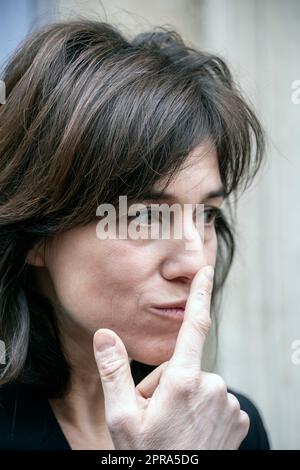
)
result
[(260, 39)]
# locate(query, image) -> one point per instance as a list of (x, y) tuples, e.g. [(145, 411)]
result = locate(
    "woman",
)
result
[(90, 116)]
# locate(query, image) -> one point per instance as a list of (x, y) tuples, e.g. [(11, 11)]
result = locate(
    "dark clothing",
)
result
[(27, 421)]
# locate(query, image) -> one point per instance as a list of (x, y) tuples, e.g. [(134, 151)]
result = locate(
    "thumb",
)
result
[(118, 385)]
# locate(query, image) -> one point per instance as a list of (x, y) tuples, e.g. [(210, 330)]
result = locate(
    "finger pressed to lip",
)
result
[(201, 290), (196, 324)]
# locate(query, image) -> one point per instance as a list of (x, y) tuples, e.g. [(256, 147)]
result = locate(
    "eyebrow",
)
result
[(161, 195)]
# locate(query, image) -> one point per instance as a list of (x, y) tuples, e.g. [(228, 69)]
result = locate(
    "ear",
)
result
[(35, 256)]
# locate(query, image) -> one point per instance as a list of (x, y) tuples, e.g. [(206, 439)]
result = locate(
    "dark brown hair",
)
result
[(89, 116)]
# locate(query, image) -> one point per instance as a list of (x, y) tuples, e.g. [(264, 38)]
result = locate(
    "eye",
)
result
[(147, 217), (210, 215)]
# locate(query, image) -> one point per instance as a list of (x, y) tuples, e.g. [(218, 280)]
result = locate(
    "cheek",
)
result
[(101, 286)]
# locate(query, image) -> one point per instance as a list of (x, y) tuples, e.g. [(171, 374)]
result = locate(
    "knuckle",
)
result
[(111, 369), (202, 324), (185, 383), (234, 404), (187, 388), (119, 420), (218, 386), (244, 422)]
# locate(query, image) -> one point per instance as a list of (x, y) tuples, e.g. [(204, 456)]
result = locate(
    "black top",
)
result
[(27, 421)]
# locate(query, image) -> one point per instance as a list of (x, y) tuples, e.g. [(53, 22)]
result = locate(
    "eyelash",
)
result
[(214, 211)]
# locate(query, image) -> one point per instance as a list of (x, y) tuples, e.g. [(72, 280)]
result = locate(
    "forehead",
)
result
[(198, 176)]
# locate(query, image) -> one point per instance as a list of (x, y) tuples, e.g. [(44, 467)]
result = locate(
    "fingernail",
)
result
[(209, 272), (104, 341)]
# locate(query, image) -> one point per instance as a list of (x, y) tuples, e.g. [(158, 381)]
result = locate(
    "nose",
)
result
[(187, 256)]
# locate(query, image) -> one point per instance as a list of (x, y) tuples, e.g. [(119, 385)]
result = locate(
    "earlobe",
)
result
[(35, 256)]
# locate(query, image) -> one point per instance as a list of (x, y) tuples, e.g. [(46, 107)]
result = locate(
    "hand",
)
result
[(177, 406)]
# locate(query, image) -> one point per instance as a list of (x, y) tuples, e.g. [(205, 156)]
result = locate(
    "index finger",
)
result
[(196, 322)]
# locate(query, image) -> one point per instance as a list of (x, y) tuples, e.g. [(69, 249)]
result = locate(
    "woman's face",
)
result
[(114, 283)]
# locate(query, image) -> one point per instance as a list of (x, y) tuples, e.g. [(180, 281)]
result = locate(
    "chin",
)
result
[(152, 359)]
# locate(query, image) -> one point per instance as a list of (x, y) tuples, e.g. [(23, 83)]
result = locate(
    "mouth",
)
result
[(180, 304), (173, 310)]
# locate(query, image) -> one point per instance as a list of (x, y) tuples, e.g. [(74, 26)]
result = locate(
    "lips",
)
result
[(173, 311), (180, 304)]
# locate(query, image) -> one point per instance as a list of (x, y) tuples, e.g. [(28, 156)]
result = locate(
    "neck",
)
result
[(81, 412), (83, 405)]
